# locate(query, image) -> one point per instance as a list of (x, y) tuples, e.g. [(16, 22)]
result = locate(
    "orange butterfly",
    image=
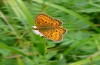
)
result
[(49, 27)]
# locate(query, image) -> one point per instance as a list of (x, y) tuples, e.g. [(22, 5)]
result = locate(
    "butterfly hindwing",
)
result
[(54, 34)]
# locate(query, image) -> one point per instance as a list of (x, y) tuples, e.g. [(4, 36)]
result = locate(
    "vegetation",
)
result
[(79, 46)]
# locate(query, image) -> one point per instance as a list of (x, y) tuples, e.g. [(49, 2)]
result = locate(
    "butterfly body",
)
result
[(49, 27)]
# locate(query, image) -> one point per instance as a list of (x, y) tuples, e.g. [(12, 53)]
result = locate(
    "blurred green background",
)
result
[(79, 46)]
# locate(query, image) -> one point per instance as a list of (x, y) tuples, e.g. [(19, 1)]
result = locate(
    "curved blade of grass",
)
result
[(11, 49), (13, 7), (69, 12), (93, 4), (10, 26), (21, 10), (95, 56), (26, 12), (80, 43), (20, 61)]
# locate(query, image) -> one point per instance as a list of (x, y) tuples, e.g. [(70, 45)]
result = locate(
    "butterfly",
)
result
[(49, 27)]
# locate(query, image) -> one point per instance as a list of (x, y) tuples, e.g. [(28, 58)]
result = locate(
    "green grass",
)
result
[(20, 46)]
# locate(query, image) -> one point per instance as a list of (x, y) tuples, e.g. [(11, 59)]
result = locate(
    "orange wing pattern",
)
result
[(43, 20), (49, 27), (54, 34)]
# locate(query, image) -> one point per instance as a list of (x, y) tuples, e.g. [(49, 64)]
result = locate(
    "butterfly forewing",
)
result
[(43, 20)]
